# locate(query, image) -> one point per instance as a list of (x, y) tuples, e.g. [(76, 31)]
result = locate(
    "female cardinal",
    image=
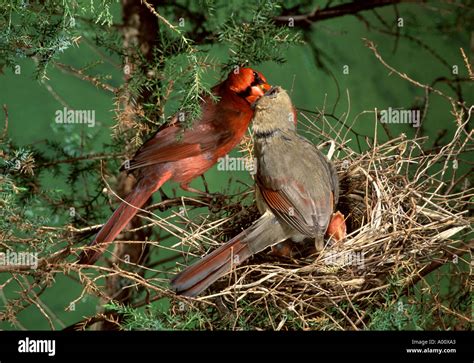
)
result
[(182, 155), (297, 189)]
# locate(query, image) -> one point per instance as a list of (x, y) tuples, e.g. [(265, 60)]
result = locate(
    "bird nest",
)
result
[(407, 212)]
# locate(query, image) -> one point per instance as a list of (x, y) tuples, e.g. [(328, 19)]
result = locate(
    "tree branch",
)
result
[(305, 20)]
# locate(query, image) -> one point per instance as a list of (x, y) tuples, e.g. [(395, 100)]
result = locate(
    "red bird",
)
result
[(182, 155)]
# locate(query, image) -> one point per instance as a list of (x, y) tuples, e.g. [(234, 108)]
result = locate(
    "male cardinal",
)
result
[(181, 155), (297, 189)]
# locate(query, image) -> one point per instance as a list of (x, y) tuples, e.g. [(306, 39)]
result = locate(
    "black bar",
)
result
[(172, 346)]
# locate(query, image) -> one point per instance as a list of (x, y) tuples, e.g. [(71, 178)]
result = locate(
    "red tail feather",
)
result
[(202, 274), (196, 278), (117, 222)]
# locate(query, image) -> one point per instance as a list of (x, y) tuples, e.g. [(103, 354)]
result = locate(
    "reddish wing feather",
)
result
[(286, 209), (167, 146)]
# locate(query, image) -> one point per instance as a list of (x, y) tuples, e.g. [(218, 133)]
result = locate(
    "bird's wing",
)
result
[(173, 143), (295, 181)]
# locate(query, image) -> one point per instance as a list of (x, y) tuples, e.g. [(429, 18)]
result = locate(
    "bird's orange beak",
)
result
[(257, 91), (262, 88)]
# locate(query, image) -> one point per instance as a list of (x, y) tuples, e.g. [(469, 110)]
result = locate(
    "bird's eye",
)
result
[(256, 76), (272, 92)]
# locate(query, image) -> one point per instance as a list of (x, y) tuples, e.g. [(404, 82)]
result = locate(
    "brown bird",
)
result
[(182, 155), (297, 189)]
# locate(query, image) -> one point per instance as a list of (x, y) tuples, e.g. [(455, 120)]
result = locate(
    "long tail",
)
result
[(265, 232), (120, 218)]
